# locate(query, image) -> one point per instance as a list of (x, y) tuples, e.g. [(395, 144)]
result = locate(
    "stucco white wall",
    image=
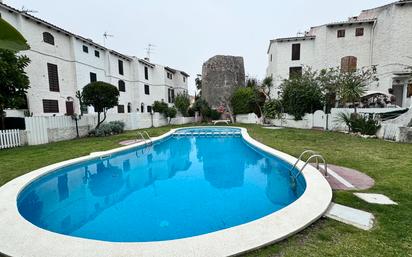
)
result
[(74, 67), (385, 44)]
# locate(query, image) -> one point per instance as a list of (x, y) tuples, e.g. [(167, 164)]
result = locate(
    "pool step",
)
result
[(358, 218), (221, 134)]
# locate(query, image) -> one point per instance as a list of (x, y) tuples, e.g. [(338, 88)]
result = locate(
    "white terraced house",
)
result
[(380, 36), (63, 63)]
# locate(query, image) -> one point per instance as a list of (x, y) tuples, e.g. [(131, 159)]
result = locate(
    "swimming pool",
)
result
[(177, 188), (187, 194)]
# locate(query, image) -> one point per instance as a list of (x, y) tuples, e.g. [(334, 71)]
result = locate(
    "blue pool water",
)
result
[(180, 187)]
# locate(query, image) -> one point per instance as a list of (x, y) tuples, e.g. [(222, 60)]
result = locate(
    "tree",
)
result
[(198, 82), (302, 94), (10, 38), (182, 103), (273, 109), (160, 106), (170, 113), (102, 96), (13, 81), (353, 85), (267, 86), (202, 107), (243, 100)]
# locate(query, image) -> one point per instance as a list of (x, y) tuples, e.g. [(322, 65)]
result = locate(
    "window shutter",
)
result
[(50, 106), (53, 77)]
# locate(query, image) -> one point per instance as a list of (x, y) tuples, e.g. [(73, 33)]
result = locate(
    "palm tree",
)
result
[(267, 85)]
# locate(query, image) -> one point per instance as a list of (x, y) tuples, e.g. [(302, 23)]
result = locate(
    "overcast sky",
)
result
[(188, 32)]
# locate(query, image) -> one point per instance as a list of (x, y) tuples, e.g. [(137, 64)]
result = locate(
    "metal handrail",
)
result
[(317, 156), (141, 135), (148, 137), (300, 159)]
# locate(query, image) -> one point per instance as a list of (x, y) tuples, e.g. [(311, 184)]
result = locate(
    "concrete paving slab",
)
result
[(360, 219), (376, 198)]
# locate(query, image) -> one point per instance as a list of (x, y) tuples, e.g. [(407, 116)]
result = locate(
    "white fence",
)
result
[(317, 120), (10, 138), (43, 130)]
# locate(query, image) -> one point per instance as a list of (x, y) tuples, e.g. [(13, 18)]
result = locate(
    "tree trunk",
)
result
[(98, 120)]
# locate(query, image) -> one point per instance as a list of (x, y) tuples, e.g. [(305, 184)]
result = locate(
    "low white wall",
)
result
[(289, 121), (250, 118), (43, 130)]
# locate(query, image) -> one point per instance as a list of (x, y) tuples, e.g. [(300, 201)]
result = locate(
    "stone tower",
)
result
[(220, 76)]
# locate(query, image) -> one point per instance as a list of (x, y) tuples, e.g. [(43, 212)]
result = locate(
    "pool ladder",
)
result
[(313, 155), (142, 136)]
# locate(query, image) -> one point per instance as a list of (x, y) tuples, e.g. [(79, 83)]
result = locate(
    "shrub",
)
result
[(191, 112), (302, 94), (356, 123), (214, 114), (242, 100), (273, 109), (182, 103), (160, 106), (170, 112), (202, 107), (107, 129)]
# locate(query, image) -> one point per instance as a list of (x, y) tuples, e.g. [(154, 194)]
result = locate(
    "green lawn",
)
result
[(390, 164)]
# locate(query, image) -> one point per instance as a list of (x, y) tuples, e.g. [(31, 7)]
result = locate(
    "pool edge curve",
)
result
[(34, 241)]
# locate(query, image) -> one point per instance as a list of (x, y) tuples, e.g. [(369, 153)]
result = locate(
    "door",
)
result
[(398, 93), (69, 108)]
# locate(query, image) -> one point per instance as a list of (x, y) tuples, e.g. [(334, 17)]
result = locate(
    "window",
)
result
[(85, 49), (295, 71), (360, 32), (149, 109), (93, 77), (97, 53), (122, 86), (129, 107), (120, 109), (142, 107), (348, 64), (271, 58), (184, 79), (50, 106), (171, 95), (84, 109), (169, 75), (295, 52), (341, 33), (53, 77), (146, 90), (146, 73), (121, 67), (48, 38)]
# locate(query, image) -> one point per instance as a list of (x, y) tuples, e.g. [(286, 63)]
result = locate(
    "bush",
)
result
[(360, 124), (107, 129), (302, 94), (242, 100), (191, 112), (182, 103), (273, 109), (214, 114), (170, 112), (202, 107), (160, 106)]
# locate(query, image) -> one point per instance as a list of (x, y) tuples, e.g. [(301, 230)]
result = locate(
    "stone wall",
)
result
[(220, 77)]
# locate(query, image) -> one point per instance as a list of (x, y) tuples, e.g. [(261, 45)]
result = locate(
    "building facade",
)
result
[(62, 63), (379, 37)]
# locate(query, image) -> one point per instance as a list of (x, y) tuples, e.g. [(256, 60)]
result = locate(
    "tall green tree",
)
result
[(102, 96), (182, 103), (267, 87), (14, 81), (302, 94)]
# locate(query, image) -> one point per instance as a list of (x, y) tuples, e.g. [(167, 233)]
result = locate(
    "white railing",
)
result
[(9, 138)]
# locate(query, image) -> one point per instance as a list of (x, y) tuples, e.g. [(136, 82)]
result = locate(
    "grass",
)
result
[(390, 164)]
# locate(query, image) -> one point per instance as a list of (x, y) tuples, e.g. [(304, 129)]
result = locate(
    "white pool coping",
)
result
[(20, 238)]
